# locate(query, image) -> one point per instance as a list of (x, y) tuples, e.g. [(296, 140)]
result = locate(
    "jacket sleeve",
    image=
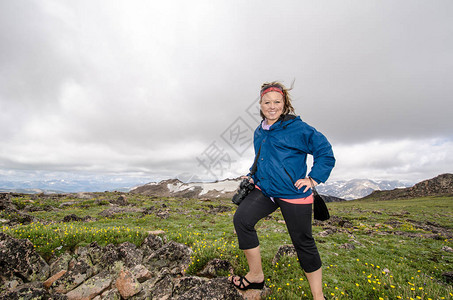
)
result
[(323, 158)]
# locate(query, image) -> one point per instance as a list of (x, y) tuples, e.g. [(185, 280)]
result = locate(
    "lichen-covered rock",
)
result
[(91, 287), (81, 271), (448, 276), (48, 283), (214, 289), (217, 267), (126, 252), (16, 217), (121, 201), (93, 252), (5, 201), (127, 284), (184, 284), (163, 288), (155, 270), (60, 263), (31, 293), (151, 243), (141, 273), (172, 255), (112, 294), (19, 258), (284, 250)]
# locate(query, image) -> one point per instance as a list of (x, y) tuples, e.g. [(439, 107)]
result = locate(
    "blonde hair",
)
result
[(287, 105)]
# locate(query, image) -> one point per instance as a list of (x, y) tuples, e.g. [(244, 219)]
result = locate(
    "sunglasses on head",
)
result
[(270, 88)]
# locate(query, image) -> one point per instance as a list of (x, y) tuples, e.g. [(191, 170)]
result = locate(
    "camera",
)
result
[(245, 187)]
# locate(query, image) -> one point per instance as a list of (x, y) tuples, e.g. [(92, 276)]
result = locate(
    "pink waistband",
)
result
[(306, 200)]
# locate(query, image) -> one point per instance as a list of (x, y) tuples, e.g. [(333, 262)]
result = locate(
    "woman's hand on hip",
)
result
[(305, 182)]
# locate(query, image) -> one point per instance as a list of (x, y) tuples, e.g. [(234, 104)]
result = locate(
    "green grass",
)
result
[(382, 265)]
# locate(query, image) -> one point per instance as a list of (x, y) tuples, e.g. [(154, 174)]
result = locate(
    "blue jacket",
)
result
[(283, 157)]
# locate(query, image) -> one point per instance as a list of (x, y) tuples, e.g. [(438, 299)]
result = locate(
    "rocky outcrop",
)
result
[(198, 190), (441, 185), (155, 270), (19, 259), (5, 201), (15, 216)]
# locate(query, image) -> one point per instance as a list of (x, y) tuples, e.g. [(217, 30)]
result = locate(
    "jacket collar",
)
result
[(283, 121)]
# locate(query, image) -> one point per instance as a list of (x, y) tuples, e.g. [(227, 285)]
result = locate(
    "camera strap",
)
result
[(255, 163)]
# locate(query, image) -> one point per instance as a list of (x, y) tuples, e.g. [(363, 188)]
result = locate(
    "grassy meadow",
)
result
[(381, 265)]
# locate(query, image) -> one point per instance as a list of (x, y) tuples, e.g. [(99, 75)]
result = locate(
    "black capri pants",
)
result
[(298, 221)]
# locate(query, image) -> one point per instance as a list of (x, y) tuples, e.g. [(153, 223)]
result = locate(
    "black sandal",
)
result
[(251, 285)]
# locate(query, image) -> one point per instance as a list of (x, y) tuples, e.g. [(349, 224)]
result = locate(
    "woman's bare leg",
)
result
[(315, 281), (255, 273)]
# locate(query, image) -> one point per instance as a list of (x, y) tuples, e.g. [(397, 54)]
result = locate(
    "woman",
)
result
[(282, 142)]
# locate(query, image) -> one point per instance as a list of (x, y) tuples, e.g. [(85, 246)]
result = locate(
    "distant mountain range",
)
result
[(359, 188), (336, 190), (58, 186)]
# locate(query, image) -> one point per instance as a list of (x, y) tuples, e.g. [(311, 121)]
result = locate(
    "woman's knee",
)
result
[(242, 222)]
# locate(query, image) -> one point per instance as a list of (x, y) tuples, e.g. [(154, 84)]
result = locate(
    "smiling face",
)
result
[(272, 104)]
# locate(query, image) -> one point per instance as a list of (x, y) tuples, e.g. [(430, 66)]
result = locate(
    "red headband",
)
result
[(272, 89)]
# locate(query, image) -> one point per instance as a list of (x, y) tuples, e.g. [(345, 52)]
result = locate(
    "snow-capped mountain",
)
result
[(358, 188), (348, 190)]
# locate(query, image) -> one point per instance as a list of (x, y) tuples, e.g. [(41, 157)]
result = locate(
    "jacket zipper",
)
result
[(290, 178)]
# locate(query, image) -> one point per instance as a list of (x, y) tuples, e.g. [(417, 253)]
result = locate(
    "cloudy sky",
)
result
[(161, 89)]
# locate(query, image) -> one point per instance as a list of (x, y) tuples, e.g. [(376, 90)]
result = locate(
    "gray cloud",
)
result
[(144, 87)]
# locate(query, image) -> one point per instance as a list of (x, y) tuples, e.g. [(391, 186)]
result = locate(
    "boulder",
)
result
[(284, 250), (91, 287), (121, 201), (347, 246), (214, 289), (172, 255), (19, 258), (48, 283), (61, 263), (127, 284), (216, 267), (5, 201), (81, 271), (448, 276), (155, 270), (31, 293), (126, 252)]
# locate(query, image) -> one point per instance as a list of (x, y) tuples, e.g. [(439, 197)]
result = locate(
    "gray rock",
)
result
[(447, 249), (347, 246), (30, 293), (127, 284), (121, 201), (163, 289), (216, 267), (19, 258), (448, 276), (91, 287), (151, 243), (185, 284), (155, 270), (81, 271), (214, 289), (284, 250), (172, 255), (61, 263), (5, 201)]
